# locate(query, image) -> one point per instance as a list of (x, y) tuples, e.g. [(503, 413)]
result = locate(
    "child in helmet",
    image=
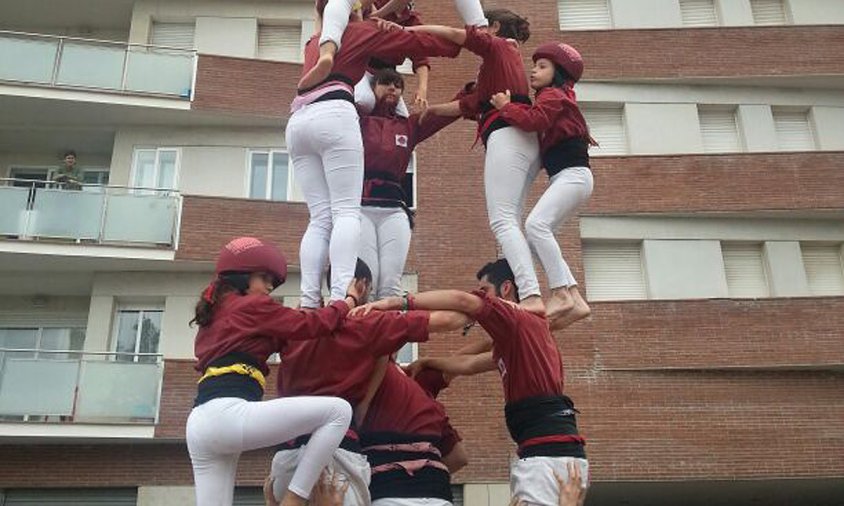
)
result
[(240, 326), (564, 147)]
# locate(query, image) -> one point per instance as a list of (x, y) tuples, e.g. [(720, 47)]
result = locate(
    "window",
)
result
[(176, 35), (614, 271), (271, 177), (745, 270), (719, 129), (280, 42), (698, 13), (606, 125), (583, 14), (824, 268), (156, 168), (409, 182), (768, 12), (793, 130), (137, 330), (43, 341)]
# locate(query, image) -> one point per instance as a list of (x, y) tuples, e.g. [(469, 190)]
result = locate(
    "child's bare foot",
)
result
[(322, 69), (579, 311), (560, 303), (533, 304)]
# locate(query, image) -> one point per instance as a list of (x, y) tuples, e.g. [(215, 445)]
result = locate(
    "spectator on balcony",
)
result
[(68, 175)]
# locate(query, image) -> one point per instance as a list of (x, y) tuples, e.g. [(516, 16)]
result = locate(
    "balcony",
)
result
[(92, 214), (75, 63), (75, 387)]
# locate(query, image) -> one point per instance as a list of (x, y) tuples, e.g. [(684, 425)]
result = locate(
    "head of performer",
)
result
[(555, 64), (507, 24), (497, 278), (362, 279), (388, 86), (245, 266)]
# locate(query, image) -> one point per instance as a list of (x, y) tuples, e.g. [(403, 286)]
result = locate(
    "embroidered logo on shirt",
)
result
[(401, 140)]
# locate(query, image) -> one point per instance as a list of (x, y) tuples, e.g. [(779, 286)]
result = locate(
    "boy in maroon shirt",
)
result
[(540, 418)]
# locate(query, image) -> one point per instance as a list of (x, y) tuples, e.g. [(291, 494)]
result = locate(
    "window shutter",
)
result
[(823, 269), (745, 270), (698, 13), (719, 130), (280, 42), (583, 14), (768, 12), (793, 130), (614, 271), (606, 125), (178, 35)]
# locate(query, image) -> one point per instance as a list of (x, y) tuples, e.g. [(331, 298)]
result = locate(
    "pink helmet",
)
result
[(248, 254), (567, 57)]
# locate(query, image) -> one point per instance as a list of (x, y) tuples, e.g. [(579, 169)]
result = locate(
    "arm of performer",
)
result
[(429, 123), (423, 72), (435, 300), (461, 365), (536, 118), (456, 35), (397, 44)]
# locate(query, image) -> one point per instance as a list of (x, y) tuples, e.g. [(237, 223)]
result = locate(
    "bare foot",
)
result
[(320, 71), (560, 303), (579, 311), (291, 499), (533, 304)]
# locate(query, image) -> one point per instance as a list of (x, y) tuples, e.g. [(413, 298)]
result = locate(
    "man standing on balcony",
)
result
[(68, 174)]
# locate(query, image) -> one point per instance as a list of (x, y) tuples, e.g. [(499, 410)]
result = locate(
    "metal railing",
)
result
[(115, 215), (73, 386), (72, 62)]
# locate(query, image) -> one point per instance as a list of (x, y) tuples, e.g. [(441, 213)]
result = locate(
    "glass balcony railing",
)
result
[(70, 386), (49, 60), (116, 215)]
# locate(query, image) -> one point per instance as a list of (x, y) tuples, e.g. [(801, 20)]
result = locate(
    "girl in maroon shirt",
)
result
[(240, 326), (564, 145)]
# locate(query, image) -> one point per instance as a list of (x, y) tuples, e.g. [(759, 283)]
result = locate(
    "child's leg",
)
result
[(335, 18), (472, 12), (364, 94)]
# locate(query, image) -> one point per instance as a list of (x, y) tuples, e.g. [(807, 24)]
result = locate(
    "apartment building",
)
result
[(711, 250)]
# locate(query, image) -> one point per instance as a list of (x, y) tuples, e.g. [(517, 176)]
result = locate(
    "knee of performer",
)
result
[(322, 221), (341, 412), (502, 223), (536, 228)]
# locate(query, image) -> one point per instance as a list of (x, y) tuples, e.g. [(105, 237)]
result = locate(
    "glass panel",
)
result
[(89, 65), (60, 340), (66, 214), (27, 60), (144, 168), (141, 218), (127, 334), (150, 332), (280, 177), (18, 339), (164, 72), (118, 390), (95, 177), (258, 186), (166, 169), (405, 354), (13, 203), (52, 394)]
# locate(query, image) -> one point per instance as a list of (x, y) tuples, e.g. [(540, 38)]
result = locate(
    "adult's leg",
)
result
[(393, 245), (369, 243), (313, 250), (213, 459), (342, 158), (509, 170)]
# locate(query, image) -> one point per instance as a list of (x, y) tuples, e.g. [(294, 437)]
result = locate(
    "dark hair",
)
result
[(512, 25), (497, 273), (224, 284), (389, 76), (561, 77), (69, 153), (362, 272)]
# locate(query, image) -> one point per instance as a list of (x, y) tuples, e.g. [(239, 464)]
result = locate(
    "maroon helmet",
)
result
[(248, 254), (567, 57)]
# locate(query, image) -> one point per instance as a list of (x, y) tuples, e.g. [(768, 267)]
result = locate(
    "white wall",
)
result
[(684, 269), (213, 160), (645, 13), (165, 496), (227, 36), (784, 267), (662, 128), (734, 12), (829, 127), (820, 12)]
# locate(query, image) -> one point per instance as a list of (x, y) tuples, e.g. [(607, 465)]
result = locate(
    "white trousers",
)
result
[(510, 167), (365, 96), (385, 241), (410, 501), (327, 152), (352, 466), (334, 20), (532, 479), (219, 430), (566, 191), (472, 12)]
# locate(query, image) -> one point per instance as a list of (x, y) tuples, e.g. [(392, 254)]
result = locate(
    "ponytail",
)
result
[(214, 292)]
